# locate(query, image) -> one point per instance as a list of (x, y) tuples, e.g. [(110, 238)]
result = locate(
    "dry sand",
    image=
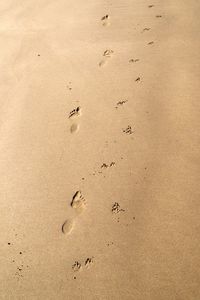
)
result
[(99, 149)]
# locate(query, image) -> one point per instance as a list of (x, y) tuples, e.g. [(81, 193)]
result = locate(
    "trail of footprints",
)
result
[(105, 20), (78, 202)]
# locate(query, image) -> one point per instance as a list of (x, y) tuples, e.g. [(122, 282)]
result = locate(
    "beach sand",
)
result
[(99, 150)]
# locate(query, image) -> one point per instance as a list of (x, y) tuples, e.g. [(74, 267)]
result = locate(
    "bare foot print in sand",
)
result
[(107, 54), (78, 202), (105, 20), (67, 226), (72, 115)]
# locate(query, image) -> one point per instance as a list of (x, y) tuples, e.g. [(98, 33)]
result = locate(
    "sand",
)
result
[(99, 149)]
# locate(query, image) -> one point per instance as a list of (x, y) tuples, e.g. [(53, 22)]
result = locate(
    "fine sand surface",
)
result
[(99, 149)]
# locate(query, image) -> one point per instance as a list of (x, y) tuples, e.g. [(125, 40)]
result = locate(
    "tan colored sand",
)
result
[(131, 149)]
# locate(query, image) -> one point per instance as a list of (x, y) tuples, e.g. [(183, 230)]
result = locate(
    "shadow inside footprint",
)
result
[(146, 29), (108, 53), (105, 21), (67, 226), (78, 201), (133, 60), (74, 128), (75, 112), (102, 63), (106, 17)]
